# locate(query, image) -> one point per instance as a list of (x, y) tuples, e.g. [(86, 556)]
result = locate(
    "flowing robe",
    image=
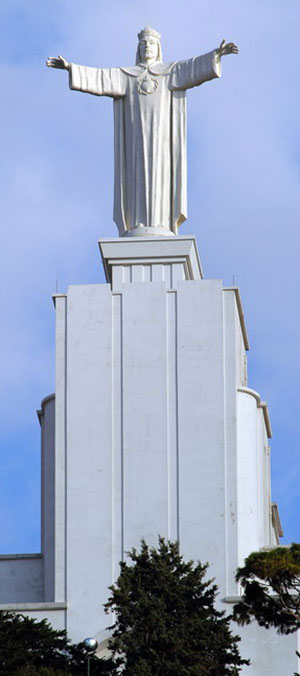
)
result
[(149, 136)]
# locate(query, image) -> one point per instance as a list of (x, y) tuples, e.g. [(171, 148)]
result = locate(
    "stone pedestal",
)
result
[(151, 259)]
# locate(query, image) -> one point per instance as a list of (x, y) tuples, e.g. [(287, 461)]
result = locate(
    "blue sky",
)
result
[(56, 201)]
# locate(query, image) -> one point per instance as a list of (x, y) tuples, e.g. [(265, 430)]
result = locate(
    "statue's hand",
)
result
[(226, 48), (58, 62)]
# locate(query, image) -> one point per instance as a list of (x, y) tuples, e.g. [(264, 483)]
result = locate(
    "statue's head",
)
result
[(149, 47)]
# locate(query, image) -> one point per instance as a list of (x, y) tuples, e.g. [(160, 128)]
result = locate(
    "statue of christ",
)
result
[(149, 130)]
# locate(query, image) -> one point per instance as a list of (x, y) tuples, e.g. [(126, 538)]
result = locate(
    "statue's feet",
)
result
[(146, 231)]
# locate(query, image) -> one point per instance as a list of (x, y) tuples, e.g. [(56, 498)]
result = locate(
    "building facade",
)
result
[(152, 430)]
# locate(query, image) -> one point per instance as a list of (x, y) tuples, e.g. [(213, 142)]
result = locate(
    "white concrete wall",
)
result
[(56, 616), (234, 351), (235, 377), (247, 477), (253, 476), (88, 456), (145, 413), (144, 431), (147, 379), (60, 450), (21, 578), (48, 480), (270, 653), (201, 423), (144, 389)]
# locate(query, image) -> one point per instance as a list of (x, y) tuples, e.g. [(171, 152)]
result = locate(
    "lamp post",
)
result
[(91, 646)]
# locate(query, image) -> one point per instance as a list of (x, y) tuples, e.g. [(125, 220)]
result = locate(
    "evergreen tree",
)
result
[(166, 623), (31, 648), (271, 589)]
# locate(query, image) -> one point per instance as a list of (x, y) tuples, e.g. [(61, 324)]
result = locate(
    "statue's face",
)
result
[(148, 49)]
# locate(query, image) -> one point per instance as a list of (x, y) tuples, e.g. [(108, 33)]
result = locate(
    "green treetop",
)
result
[(271, 589), (166, 623), (31, 648)]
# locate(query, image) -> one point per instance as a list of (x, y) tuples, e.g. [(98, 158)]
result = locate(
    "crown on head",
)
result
[(148, 31)]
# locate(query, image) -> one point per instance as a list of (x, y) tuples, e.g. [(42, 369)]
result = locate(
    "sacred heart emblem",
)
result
[(148, 85)]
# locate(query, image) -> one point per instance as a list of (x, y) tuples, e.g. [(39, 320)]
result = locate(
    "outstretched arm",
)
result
[(193, 72), (98, 81)]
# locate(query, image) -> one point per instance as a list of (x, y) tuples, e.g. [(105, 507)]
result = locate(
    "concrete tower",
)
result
[(152, 430)]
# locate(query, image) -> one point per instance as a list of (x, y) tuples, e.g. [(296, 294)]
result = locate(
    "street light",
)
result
[(91, 646)]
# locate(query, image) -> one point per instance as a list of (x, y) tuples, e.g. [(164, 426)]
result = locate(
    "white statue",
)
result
[(149, 130)]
